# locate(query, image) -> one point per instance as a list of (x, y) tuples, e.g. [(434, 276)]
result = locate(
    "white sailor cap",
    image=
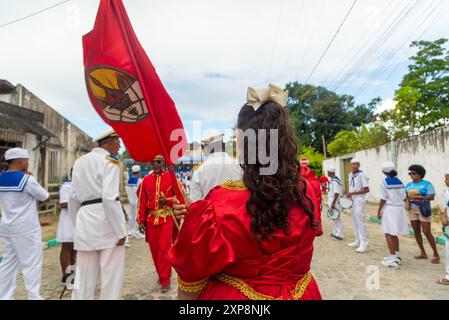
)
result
[(331, 170), (388, 166), (355, 160), (16, 153), (447, 172), (106, 134), (135, 168)]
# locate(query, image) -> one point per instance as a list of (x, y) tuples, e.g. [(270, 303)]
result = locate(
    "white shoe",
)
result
[(393, 258), (140, 236), (362, 249), (354, 244), (390, 263)]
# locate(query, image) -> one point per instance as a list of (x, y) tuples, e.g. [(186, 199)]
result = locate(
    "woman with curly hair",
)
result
[(253, 238)]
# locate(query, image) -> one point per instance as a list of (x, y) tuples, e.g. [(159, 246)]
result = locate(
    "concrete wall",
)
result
[(430, 150), (69, 142)]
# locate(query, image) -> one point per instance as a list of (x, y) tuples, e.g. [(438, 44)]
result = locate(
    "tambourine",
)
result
[(333, 214), (345, 202)]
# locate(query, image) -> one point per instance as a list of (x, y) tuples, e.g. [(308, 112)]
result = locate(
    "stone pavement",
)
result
[(340, 272)]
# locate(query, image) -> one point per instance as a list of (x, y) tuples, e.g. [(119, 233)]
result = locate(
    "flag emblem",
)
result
[(118, 93)]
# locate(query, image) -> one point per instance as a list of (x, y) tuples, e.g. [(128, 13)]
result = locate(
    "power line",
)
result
[(383, 38), (33, 14), (405, 52), (332, 41)]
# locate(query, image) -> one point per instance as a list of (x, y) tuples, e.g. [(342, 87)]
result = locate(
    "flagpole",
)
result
[(178, 192)]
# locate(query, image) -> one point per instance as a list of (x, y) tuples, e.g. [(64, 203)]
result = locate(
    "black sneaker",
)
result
[(336, 238), (64, 279)]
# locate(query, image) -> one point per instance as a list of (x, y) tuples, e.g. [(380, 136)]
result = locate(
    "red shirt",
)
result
[(324, 182)]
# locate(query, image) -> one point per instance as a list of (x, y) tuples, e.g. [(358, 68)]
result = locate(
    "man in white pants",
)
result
[(100, 224), (20, 229), (332, 201), (131, 191), (358, 188)]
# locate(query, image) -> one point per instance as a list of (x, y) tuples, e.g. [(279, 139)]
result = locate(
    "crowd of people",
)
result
[(397, 199), (236, 234)]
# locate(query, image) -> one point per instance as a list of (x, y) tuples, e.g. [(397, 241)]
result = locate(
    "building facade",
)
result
[(54, 143)]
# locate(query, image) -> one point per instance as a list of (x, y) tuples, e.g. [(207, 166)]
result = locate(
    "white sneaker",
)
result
[(390, 263), (362, 249), (140, 236), (393, 258), (354, 244)]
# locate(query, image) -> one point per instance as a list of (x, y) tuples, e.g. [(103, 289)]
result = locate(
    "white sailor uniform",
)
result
[(99, 224), (131, 191), (215, 170), (394, 216), (335, 188), (66, 228), (357, 182), (20, 232), (447, 240)]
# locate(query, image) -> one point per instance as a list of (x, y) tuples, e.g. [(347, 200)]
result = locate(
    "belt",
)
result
[(94, 201)]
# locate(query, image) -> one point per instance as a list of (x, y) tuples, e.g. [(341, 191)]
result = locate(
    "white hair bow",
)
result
[(257, 97)]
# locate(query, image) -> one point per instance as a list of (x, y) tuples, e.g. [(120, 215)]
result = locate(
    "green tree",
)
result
[(423, 95), (351, 141), (318, 114)]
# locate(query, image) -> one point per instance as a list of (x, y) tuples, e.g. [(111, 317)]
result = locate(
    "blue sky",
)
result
[(208, 52)]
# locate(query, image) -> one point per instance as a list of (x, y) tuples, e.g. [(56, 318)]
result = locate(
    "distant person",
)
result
[(445, 223), (419, 191), (65, 232), (20, 229), (358, 189), (216, 169), (131, 191), (332, 201), (392, 212), (324, 181)]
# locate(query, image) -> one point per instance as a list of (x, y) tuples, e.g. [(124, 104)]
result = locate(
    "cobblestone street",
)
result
[(341, 273)]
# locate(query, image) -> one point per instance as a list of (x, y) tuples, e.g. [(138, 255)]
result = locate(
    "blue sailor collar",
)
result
[(132, 181), (336, 179), (14, 181), (394, 183)]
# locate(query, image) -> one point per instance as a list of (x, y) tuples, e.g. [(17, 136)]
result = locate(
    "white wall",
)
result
[(430, 150)]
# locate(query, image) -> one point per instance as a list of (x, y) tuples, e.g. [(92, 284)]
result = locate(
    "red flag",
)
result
[(126, 91)]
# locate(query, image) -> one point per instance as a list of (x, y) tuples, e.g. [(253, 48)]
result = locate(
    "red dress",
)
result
[(216, 253), (158, 219)]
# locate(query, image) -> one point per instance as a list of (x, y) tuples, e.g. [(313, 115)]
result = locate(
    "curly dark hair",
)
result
[(272, 196)]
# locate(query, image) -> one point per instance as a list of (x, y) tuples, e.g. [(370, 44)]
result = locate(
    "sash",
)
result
[(13, 181)]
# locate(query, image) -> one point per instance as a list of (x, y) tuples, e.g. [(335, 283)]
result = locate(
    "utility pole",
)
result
[(324, 145)]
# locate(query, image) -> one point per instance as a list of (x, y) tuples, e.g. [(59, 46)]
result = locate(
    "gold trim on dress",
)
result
[(251, 294), (236, 185), (192, 287)]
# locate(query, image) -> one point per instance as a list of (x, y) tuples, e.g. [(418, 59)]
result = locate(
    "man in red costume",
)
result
[(155, 218)]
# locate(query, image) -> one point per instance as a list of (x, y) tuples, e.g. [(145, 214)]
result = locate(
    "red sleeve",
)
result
[(201, 250), (142, 200)]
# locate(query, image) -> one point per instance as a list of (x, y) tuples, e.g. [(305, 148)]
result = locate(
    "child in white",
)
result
[(332, 201)]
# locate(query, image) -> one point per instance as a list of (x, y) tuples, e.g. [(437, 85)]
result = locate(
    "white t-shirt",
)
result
[(20, 208), (334, 188), (357, 182), (64, 194), (217, 169)]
